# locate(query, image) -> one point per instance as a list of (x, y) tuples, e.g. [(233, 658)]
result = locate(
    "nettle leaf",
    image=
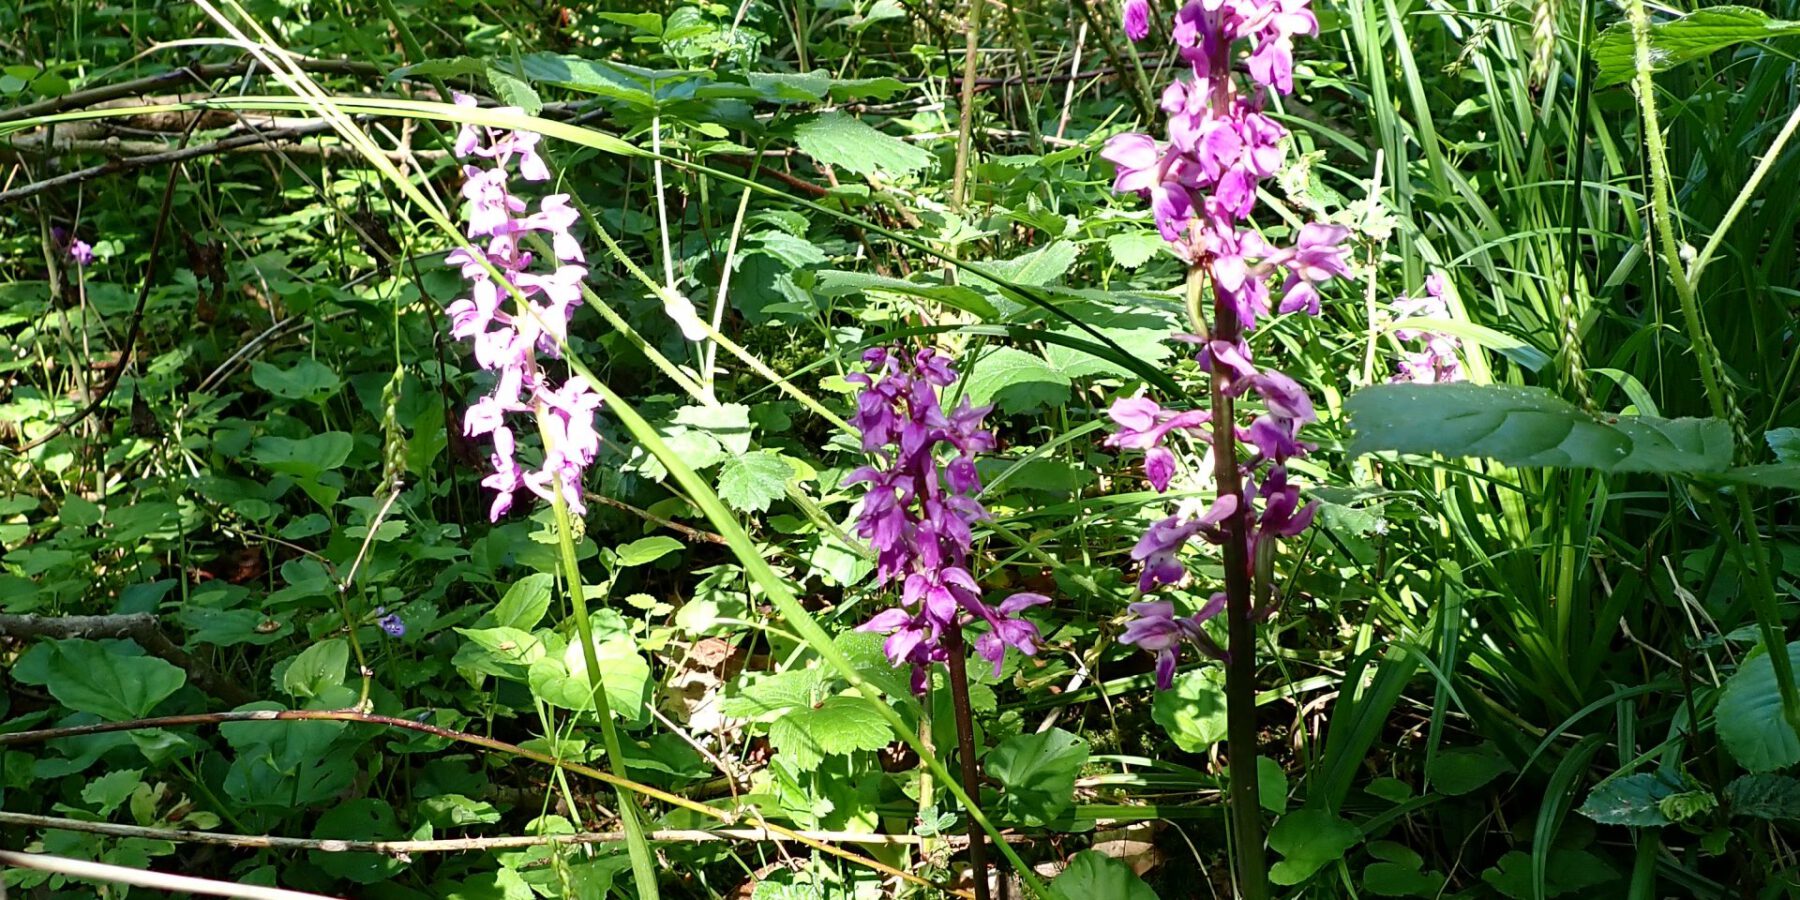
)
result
[(1092, 875), (1530, 427), (1749, 719), (1036, 268), (1632, 800), (1693, 36), (1772, 797), (1015, 381), (1308, 840), (752, 481), (1037, 773), (1132, 249), (849, 143), (87, 676), (1192, 711), (775, 694), (1785, 442), (840, 725)]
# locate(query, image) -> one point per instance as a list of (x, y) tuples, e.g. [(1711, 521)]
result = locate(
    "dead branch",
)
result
[(201, 75)]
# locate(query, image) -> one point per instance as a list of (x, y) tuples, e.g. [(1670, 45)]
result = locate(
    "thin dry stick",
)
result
[(162, 881), (486, 743), (1062, 121), (441, 845), (200, 74)]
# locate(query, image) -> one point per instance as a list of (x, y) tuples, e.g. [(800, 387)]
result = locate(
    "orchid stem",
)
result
[(1240, 667), (965, 750)]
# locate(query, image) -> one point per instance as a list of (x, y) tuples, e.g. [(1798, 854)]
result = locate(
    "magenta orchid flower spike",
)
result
[(919, 509), (1201, 184)]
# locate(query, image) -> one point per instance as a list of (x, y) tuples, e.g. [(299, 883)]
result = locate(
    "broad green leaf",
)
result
[(840, 725), (624, 673), (1092, 875), (1631, 800), (1693, 36), (87, 676), (513, 90), (644, 551), (1271, 785), (505, 644), (1308, 840), (1386, 879), (1780, 476), (836, 139), (308, 380), (1037, 773), (1016, 381), (317, 667), (362, 819), (1772, 797), (1458, 772), (1749, 718), (1530, 427), (648, 23), (752, 481), (727, 423), (525, 602), (1192, 711), (1568, 871), (1039, 267), (1785, 442), (304, 458)]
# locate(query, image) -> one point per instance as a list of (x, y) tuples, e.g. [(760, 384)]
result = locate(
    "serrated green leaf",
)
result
[(1037, 773), (750, 482), (1530, 427), (1691, 37), (775, 694), (840, 725), (1132, 249), (849, 143), (1775, 798), (1015, 381), (1632, 800), (1749, 718)]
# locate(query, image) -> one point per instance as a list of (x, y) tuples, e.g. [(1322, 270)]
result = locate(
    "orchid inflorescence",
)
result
[(919, 512), (1202, 184), (507, 343), (1437, 361)]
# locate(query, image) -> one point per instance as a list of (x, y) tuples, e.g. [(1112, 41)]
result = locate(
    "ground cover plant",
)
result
[(899, 448)]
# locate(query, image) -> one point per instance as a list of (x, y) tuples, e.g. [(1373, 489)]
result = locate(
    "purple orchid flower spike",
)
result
[(918, 510), (1136, 17), (1202, 185)]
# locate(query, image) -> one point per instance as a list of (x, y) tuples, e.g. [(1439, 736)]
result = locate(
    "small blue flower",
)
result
[(391, 623)]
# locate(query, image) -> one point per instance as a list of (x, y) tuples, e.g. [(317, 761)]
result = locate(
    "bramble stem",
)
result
[(965, 750)]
